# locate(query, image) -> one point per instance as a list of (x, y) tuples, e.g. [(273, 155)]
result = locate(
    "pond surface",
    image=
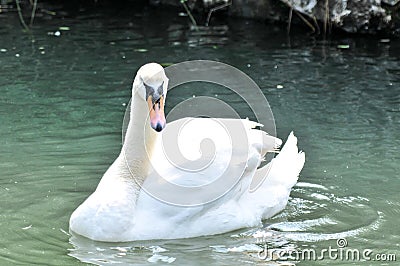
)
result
[(63, 94)]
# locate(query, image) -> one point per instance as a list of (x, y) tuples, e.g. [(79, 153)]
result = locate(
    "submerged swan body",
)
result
[(122, 209)]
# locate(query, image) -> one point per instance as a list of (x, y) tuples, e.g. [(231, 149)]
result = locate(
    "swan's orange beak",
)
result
[(157, 117)]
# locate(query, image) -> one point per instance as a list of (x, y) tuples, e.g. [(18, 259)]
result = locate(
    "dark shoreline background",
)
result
[(320, 18)]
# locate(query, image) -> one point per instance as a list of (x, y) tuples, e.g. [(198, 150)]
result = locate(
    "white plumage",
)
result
[(121, 210)]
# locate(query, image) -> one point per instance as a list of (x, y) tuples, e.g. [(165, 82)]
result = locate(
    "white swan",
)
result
[(121, 210)]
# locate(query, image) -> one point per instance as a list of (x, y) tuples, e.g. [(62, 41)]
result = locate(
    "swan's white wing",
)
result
[(207, 152), (224, 214)]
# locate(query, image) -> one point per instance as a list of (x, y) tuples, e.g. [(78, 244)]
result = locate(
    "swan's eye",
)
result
[(160, 89), (149, 90)]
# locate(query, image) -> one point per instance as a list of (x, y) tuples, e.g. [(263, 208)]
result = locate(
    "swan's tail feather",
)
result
[(284, 169), (270, 188), (286, 166)]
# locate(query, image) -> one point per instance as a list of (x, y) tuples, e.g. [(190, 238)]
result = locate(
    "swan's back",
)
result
[(238, 208)]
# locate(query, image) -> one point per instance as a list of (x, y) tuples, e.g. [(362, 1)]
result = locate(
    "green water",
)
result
[(62, 101)]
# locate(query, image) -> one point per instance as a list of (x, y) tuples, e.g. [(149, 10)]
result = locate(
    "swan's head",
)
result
[(151, 85)]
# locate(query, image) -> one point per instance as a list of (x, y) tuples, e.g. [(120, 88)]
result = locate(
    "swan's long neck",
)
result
[(139, 141)]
